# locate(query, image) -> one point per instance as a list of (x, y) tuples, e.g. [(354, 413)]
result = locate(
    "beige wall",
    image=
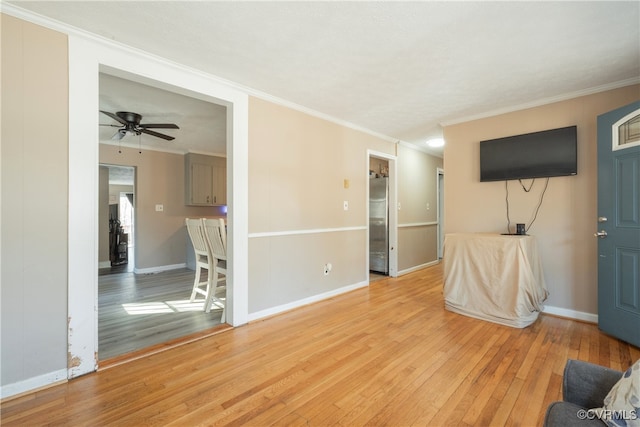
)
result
[(567, 219), (418, 214), (297, 224), (297, 167), (298, 164), (161, 237), (34, 161)]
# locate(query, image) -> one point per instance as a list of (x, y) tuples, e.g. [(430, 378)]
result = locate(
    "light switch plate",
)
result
[(159, 208), (346, 205)]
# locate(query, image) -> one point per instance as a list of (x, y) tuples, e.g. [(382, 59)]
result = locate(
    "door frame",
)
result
[(440, 210), (393, 211), (88, 56)]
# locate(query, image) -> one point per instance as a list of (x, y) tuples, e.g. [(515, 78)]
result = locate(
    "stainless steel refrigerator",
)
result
[(379, 225)]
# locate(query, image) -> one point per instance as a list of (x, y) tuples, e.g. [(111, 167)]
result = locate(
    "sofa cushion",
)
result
[(587, 384), (565, 414), (622, 404)]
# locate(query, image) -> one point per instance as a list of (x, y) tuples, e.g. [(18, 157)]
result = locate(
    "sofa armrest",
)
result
[(586, 384)]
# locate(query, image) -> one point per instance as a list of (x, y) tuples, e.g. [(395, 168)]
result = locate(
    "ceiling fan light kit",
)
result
[(130, 122)]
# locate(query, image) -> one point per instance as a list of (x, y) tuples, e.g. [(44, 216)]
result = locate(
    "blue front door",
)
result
[(619, 223)]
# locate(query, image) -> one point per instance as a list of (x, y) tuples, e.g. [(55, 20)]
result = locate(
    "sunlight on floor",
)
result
[(163, 307)]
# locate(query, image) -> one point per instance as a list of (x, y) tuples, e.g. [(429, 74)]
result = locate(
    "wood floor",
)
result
[(388, 354), (137, 311)]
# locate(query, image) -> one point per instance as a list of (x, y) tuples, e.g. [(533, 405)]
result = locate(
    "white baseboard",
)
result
[(571, 314), (418, 267), (104, 264), (32, 384), (305, 301), (158, 269)]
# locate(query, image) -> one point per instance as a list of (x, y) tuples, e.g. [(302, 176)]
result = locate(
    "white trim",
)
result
[(31, 384), (544, 101), (87, 57), (305, 301), (26, 15), (423, 148), (439, 209), (300, 232), (418, 224), (571, 314), (159, 269), (418, 267), (70, 30), (314, 113), (615, 132), (83, 211), (104, 264)]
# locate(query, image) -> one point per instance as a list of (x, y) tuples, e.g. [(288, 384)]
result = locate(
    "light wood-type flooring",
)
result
[(388, 354), (138, 311)]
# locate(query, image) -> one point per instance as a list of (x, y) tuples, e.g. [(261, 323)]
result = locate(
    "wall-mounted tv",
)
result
[(533, 155)]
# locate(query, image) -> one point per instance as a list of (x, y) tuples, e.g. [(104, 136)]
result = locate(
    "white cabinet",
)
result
[(206, 180)]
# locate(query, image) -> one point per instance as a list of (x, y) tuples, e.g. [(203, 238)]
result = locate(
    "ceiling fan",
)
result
[(130, 122)]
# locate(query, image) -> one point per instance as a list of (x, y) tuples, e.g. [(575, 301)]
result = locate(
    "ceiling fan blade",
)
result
[(112, 125), (156, 134), (159, 126), (119, 135), (114, 117)]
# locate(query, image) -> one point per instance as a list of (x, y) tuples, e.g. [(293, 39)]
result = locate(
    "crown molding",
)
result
[(543, 101), (423, 148), (61, 27)]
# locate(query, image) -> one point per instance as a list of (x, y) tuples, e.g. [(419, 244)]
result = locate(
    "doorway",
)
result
[(618, 222), (116, 237), (440, 219), (87, 57), (382, 258), (378, 217), (146, 305)]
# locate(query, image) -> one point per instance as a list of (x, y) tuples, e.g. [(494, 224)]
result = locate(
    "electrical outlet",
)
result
[(327, 268)]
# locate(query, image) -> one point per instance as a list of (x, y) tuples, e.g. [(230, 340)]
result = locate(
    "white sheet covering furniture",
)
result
[(494, 277)]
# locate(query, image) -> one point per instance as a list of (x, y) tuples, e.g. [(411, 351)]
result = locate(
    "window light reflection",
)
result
[(163, 307)]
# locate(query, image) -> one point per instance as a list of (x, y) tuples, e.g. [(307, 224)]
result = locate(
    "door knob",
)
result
[(602, 219), (601, 234)]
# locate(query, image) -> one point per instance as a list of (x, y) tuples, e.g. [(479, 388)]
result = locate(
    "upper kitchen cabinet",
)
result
[(206, 180)]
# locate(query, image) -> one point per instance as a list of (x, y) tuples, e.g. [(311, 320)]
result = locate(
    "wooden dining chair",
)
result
[(204, 261), (216, 237)]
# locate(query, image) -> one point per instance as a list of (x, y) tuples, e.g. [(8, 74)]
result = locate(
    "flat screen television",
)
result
[(533, 155)]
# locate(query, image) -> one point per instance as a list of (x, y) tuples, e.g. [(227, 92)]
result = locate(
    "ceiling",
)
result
[(202, 124), (398, 69)]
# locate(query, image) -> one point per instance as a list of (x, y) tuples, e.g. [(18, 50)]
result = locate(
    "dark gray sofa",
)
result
[(584, 386)]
